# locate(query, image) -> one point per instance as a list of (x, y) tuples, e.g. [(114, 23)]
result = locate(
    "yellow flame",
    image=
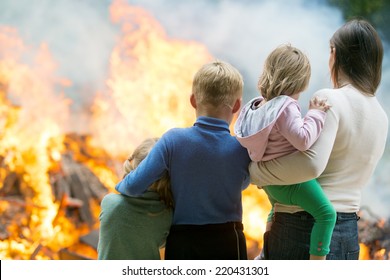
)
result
[(149, 84), (364, 252), (256, 208), (32, 116), (148, 89)]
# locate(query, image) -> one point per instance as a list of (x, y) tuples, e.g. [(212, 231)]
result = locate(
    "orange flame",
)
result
[(149, 84), (148, 89), (31, 135), (256, 208), (364, 252)]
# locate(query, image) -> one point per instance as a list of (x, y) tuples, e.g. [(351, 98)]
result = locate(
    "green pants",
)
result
[(309, 196)]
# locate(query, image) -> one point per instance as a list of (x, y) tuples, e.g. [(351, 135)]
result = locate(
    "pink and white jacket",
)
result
[(276, 128)]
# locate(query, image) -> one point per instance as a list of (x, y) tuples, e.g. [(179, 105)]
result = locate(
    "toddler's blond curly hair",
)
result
[(286, 71)]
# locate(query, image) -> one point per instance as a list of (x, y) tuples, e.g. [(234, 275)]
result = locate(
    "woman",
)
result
[(345, 155)]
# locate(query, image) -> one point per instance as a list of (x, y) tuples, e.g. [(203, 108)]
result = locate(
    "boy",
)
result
[(208, 170)]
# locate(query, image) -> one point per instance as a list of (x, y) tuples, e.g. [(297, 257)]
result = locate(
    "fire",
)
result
[(149, 86), (256, 208), (148, 89), (32, 114), (364, 252), (373, 237), (149, 83), (367, 253)]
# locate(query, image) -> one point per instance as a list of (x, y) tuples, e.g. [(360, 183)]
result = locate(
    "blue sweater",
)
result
[(208, 169)]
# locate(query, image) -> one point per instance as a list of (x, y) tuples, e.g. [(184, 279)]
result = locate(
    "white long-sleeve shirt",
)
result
[(343, 158)]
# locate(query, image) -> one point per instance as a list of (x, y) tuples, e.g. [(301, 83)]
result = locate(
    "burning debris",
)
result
[(374, 236), (77, 193), (52, 182)]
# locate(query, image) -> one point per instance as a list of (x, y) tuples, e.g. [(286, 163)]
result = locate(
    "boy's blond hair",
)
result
[(217, 83), (286, 72), (162, 186)]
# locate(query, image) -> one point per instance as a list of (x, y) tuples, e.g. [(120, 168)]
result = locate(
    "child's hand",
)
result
[(319, 104)]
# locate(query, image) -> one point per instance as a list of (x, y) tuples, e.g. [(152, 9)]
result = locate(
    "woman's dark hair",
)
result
[(359, 55)]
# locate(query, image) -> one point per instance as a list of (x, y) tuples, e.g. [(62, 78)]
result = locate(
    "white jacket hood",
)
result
[(256, 121)]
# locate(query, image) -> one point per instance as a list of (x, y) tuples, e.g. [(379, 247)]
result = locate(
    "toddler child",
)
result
[(271, 126)]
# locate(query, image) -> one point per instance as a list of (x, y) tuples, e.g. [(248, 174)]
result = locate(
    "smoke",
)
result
[(78, 33), (80, 36), (245, 32)]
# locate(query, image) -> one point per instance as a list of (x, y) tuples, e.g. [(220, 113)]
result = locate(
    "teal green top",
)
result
[(133, 228)]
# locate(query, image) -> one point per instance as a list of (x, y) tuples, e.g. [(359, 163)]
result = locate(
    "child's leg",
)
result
[(310, 196)]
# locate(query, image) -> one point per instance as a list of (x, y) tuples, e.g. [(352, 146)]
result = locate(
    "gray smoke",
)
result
[(79, 35)]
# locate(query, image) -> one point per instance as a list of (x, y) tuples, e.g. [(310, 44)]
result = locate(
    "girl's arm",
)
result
[(300, 132), (299, 166)]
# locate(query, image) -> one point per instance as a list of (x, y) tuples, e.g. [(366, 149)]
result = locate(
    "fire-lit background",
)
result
[(82, 83)]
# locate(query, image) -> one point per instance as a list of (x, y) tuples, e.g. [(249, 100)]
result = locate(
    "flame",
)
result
[(149, 84), (256, 207), (364, 252), (374, 244), (148, 89), (32, 114), (147, 70), (367, 253)]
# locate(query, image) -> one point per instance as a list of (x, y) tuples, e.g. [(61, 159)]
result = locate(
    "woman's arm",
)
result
[(299, 166)]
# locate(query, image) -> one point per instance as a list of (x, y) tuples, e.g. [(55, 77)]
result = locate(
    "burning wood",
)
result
[(374, 237), (77, 192), (76, 186)]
